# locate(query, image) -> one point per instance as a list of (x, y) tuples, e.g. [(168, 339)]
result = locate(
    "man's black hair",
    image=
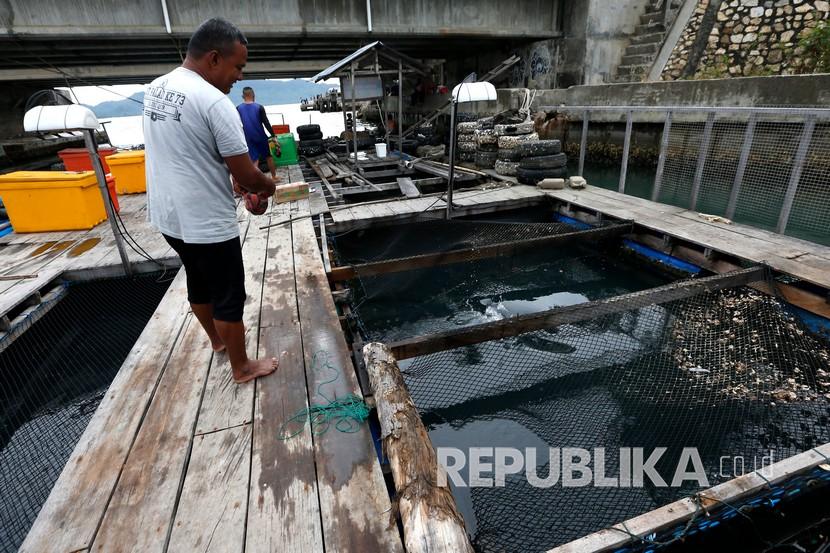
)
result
[(215, 34), (247, 91)]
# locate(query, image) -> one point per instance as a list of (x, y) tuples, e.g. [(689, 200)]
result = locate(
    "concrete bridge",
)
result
[(116, 41)]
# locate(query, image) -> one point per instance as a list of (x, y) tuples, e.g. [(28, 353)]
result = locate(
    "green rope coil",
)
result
[(345, 413)]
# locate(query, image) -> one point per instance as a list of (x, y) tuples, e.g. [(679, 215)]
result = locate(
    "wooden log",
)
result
[(431, 521), (521, 324)]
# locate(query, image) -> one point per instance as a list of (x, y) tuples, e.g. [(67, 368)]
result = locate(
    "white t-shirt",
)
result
[(189, 126)]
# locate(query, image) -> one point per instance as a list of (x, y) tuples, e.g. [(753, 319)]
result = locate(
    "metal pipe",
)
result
[(167, 17), (746, 148), (795, 176), (626, 148), (583, 141), (820, 113), (400, 108), (369, 15), (354, 115), (92, 147), (661, 162), (702, 154), (451, 175)]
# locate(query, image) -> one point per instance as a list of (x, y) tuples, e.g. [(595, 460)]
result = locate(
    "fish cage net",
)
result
[(425, 237), (732, 373), (52, 378)]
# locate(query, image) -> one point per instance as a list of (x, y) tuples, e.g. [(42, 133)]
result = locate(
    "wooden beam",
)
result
[(430, 518), (514, 326), (339, 274)]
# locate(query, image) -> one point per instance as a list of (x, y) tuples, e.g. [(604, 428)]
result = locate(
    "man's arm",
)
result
[(249, 177), (263, 118)]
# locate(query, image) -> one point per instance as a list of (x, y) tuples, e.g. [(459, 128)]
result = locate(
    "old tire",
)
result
[(312, 136), (507, 168), (532, 176), (509, 154), (467, 147), (305, 131), (487, 148), (514, 130), (486, 160), (486, 136), (514, 141), (466, 156), (544, 162), (467, 128), (540, 148)]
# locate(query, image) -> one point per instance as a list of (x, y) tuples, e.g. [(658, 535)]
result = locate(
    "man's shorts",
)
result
[(215, 275), (258, 149)]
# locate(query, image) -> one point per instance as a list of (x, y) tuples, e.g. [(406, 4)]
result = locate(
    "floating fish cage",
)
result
[(538, 334), (52, 378)]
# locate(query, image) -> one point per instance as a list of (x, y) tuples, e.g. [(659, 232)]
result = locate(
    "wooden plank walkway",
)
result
[(179, 458), (807, 261), (470, 201)]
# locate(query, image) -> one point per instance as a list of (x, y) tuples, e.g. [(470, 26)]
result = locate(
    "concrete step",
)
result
[(647, 48), (650, 38), (637, 59), (649, 28), (656, 17), (633, 72)]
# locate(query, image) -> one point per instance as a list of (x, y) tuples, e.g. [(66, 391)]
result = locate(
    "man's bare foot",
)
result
[(254, 369), (218, 347)]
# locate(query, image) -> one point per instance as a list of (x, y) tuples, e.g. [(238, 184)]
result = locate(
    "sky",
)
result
[(92, 95)]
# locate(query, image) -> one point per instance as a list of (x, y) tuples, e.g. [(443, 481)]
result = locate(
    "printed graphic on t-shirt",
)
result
[(161, 103)]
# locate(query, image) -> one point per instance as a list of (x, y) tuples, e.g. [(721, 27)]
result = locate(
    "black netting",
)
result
[(423, 237), (52, 378), (730, 373)]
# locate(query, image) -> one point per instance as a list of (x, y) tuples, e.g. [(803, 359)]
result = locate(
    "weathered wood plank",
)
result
[(514, 326), (227, 403), (140, 512), (355, 506), (283, 509), (69, 518), (211, 511)]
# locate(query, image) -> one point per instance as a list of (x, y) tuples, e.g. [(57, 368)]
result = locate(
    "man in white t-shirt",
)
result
[(194, 143)]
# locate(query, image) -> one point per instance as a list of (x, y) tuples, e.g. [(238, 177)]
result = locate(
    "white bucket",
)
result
[(380, 150)]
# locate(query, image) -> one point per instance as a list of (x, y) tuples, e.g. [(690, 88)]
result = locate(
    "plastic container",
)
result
[(380, 150), (129, 173), (282, 128), (43, 201), (77, 159), (288, 148)]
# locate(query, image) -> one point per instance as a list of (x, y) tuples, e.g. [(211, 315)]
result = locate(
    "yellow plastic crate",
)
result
[(42, 201), (128, 170)]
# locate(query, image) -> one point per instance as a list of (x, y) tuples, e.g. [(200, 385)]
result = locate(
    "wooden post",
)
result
[(431, 521)]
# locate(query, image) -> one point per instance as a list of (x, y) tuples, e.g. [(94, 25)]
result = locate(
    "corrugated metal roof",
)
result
[(384, 51)]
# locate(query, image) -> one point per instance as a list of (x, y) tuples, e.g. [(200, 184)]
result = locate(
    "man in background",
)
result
[(255, 123), (194, 142)]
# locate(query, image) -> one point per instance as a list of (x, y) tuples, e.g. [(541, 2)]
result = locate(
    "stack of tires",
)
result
[(466, 140), (486, 144), (508, 139), (311, 140), (539, 160)]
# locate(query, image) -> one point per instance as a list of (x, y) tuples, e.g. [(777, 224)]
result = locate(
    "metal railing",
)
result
[(763, 166)]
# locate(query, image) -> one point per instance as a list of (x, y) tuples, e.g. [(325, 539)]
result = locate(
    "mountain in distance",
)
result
[(267, 93)]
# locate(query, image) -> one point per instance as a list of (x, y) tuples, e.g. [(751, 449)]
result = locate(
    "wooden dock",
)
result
[(179, 458), (804, 260)]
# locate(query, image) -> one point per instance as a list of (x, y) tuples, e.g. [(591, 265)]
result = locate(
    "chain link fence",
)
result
[(767, 167)]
